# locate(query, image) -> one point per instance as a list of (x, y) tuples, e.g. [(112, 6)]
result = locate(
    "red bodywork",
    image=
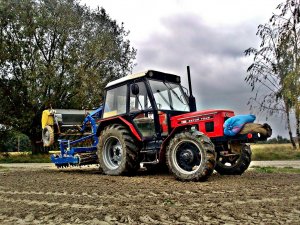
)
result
[(209, 122)]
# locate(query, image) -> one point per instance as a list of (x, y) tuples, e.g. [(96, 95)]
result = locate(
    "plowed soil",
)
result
[(48, 196)]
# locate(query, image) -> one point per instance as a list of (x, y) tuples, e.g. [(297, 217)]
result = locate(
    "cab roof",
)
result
[(149, 74)]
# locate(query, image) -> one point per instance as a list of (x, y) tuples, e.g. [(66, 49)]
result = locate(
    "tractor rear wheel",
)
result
[(234, 163), (117, 151), (191, 157)]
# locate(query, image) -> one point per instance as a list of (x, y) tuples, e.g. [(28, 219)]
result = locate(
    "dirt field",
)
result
[(48, 196)]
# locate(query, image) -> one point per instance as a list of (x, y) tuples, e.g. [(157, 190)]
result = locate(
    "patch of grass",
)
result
[(4, 169), (169, 202), (276, 170), (24, 158), (274, 152)]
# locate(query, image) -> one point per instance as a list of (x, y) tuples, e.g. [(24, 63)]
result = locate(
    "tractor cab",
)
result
[(147, 100)]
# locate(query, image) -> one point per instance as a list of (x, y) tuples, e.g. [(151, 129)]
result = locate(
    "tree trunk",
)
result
[(35, 134), (298, 126), (36, 146), (287, 111), (298, 133)]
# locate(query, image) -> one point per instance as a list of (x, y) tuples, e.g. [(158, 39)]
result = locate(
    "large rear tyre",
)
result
[(234, 163), (117, 151), (191, 157)]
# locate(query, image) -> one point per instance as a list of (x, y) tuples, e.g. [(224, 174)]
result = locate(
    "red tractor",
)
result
[(147, 119)]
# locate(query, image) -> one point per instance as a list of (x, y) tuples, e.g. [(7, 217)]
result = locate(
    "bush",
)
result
[(24, 157), (277, 140), (12, 141)]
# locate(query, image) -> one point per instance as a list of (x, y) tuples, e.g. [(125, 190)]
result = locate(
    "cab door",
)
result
[(141, 110)]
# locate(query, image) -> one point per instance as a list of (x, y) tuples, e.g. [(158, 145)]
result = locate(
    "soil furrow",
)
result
[(87, 197)]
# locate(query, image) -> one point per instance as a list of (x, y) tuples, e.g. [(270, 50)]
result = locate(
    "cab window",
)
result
[(115, 102), (169, 96), (140, 101)]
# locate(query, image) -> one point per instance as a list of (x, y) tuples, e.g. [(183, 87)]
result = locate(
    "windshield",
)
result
[(169, 96)]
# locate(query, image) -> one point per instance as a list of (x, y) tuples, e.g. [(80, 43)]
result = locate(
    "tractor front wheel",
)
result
[(117, 151), (234, 163), (191, 157)]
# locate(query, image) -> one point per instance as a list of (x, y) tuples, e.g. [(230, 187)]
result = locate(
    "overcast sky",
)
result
[(209, 36)]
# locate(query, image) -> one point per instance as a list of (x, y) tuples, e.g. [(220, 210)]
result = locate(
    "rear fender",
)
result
[(119, 120)]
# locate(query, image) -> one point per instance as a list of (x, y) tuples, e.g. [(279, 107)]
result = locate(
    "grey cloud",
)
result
[(191, 31), (215, 55)]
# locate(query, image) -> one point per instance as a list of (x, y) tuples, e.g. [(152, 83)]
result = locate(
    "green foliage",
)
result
[(276, 140), (57, 53), (14, 141), (274, 152), (24, 158)]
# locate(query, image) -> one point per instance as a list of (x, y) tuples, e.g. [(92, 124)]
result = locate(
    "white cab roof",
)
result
[(126, 78)]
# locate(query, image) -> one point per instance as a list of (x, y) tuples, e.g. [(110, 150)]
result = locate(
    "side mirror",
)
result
[(135, 90)]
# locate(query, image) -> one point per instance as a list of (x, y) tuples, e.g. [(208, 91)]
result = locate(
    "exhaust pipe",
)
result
[(192, 100)]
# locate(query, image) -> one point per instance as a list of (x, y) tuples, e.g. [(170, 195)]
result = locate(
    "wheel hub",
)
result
[(47, 135), (117, 153), (112, 153), (187, 156)]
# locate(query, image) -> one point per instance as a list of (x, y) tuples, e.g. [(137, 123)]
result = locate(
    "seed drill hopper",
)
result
[(76, 140)]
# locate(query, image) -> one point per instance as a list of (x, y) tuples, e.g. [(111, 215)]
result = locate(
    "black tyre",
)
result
[(117, 151), (48, 136), (191, 157), (234, 163)]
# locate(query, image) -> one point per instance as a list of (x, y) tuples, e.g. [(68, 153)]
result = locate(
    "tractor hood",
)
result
[(217, 116), (200, 116)]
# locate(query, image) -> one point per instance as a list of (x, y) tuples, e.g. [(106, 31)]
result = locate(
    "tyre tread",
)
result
[(208, 152), (240, 167), (131, 164)]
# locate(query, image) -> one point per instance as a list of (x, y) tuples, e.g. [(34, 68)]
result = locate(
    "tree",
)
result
[(14, 141), (290, 16), (274, 74), (277, 140), (59, 53)]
